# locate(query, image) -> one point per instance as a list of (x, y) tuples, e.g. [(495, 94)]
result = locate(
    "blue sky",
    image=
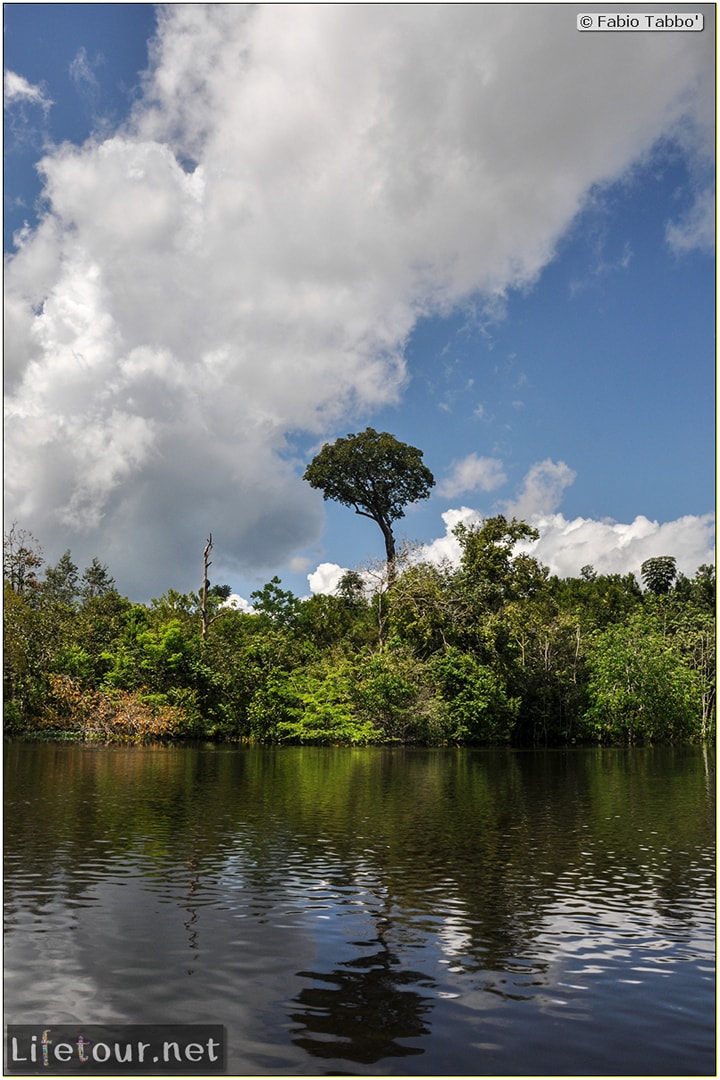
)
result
[(254, 231)]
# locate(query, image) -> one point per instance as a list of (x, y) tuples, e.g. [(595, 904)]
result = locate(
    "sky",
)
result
[(236, 232)]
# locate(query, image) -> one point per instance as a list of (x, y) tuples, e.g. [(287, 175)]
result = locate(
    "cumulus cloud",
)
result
[(238, 603), (611, 547), (239, 267), (447, 549), (566, 545), (542, 490), (472, 473), (326, 578)]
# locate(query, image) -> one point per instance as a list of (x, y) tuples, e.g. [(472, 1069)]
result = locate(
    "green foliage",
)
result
[(658, 574), (351, 590), (385, 691), (176, 606), (375, 474), (26, 660), (240, 658), (639, 688), (166, 655), (97, 624), (62, 582), (96, 581), (598, 600), (492, 650), (220, 592), (491, 570), (425, 607), (547, 673), (279, 605), (698, 592), (325, 620), (479, 707), (322, 710)]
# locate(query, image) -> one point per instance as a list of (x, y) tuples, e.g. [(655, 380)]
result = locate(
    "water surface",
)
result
[(402, 912)]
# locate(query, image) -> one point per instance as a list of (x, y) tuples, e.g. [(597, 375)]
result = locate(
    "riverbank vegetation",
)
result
[(494, 650)]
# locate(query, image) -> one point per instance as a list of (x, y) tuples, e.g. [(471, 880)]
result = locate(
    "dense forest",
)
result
[(494, 650)]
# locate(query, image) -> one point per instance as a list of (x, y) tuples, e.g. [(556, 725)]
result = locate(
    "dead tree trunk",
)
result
[(205, 584)]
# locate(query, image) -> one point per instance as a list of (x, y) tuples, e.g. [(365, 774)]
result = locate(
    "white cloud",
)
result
[(542, 490), (249, 254), (326, 578), (17, 89), (615, 548), (697, 228), (82, 70), (447, 548), (472, 473), (565, 546), (611, 547), (238, 603)]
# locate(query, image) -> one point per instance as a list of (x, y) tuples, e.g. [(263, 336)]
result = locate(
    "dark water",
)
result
[(370, 911)]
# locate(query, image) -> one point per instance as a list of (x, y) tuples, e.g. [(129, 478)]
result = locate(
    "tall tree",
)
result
[(658, 574), (491, 567), (96, 581), (62, 582), (281, 605), (375, 474)]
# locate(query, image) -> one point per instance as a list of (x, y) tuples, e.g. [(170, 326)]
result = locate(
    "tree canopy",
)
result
[(491, 649), (375, 474), (659, 573)]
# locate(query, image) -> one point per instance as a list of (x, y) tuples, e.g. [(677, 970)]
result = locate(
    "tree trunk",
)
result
[(389, 550), (203, 601)]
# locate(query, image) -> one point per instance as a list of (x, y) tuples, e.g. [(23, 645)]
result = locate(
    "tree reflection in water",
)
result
[(363, 1009)]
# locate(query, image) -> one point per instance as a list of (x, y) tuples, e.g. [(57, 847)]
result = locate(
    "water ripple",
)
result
[(448, 917)]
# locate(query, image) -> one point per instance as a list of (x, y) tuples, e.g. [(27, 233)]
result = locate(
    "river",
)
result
[(371, 911)]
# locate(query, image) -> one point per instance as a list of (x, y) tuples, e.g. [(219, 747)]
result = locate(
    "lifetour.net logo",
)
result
[(114, 1050)]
